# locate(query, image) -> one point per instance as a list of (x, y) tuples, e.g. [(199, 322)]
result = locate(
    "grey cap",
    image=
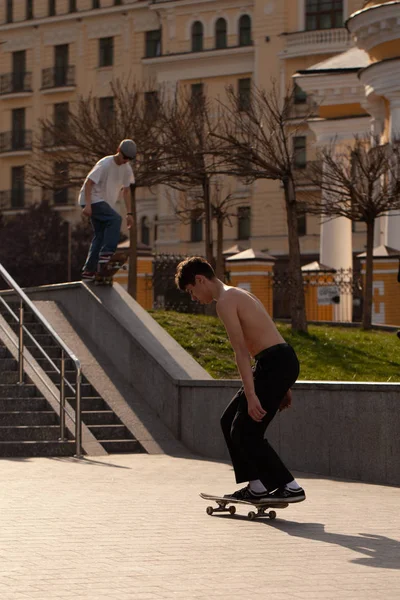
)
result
[(128, 148)]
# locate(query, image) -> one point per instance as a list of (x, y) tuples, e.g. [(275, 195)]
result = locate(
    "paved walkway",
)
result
[(133, 528)]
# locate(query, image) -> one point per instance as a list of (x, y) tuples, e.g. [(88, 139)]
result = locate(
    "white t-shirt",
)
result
[(108, 178)]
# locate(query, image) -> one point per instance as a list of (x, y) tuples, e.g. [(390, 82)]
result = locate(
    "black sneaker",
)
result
[(88, 275), (283, 494), (247, 495)]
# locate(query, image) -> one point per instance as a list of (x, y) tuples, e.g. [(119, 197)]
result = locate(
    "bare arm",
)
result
[(88, 198), (227, 311), (128, 204)]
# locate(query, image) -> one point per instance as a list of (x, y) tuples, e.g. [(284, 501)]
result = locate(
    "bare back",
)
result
[(258, 328)]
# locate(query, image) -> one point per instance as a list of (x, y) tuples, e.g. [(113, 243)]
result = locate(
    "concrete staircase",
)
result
[(105, 426), (28, 425)]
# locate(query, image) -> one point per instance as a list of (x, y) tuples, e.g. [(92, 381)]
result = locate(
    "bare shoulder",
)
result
[(228, 300)]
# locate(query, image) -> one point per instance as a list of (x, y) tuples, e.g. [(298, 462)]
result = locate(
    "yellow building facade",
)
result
[(53, 51)]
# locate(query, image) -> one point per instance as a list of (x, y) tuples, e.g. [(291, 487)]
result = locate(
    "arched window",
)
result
[(144, 231), (197, 36), (220, 34), (245, 31)]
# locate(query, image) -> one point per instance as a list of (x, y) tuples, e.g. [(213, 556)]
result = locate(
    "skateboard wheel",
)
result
[(272, 514), (232, 510), (251, 515), (209, 510)]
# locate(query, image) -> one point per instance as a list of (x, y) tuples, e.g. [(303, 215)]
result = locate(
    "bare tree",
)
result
[(192, 156), (257, 134), (93, 129), (360, 182), (224, 203)]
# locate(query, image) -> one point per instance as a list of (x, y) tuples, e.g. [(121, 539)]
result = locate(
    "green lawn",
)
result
[(326, 353)]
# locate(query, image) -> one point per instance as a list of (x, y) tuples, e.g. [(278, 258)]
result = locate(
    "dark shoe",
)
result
[(88, 276), (285, 495), (398, 334), (247, 495)]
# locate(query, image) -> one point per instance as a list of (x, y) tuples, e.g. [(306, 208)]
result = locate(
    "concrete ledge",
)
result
[(340, 429)]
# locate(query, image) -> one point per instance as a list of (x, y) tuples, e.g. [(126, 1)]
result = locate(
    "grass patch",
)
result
[(325, 353)]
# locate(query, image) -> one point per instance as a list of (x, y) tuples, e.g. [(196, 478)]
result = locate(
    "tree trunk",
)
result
[(132, 273), (220, 265), (208, 222), (369, 267), (296, 288)]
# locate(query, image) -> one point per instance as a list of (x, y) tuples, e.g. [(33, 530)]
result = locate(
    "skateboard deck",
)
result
[(106, 271), (261, 507)]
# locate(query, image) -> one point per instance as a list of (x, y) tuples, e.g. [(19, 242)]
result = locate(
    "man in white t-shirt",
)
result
[(99, 195)]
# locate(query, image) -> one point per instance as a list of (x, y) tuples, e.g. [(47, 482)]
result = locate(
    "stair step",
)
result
[(122, 446), (37, 448), (43, 339), (69, 375), (32, 327), (10, 377), (30, 433), (52, 351), (91, 403), (29, 317), (99, 417), (46, 366), (27, 390), (110, 432), (35, 403), (8, 364), (28, 418), (4, 352)]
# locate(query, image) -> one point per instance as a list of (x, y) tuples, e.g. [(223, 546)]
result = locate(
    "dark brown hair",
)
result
[(187, 270)]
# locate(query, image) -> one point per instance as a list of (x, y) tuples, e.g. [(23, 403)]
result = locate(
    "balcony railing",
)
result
[(54, 77), (66, 196), (15, 141), (16, 198), (320, 41), (15, 83)]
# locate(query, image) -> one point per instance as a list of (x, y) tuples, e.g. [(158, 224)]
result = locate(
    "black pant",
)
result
[(275, 371)]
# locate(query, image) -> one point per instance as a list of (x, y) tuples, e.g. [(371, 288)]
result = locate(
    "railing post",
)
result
[(78, 416), (21, 344), (62, 397)]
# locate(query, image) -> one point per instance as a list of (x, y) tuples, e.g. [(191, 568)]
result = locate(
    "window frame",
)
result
[(318, 14), (106, 52), (197, 37), (297, 148), (196, 225), (153, 41), (244, 223), (221, 34), (244, 31)]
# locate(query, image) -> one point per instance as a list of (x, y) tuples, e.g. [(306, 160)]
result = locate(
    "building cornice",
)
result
[(332, 88), (375, 25), (328, 130), (378, 79), (76, 16)]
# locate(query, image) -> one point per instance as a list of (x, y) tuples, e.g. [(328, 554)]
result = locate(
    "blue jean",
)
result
[(106, 224)]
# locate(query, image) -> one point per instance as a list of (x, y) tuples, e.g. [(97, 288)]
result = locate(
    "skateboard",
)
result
[(106, 271), (261, 507)]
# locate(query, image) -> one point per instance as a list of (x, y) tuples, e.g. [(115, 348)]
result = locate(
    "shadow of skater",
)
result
[(380, 551)]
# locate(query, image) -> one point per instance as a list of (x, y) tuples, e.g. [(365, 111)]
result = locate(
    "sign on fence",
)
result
[(326, 294)]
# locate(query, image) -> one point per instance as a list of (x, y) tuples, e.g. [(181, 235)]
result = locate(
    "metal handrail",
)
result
[(65, 352)]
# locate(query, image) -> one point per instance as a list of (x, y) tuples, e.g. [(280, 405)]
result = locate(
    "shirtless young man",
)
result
[(266, 386)]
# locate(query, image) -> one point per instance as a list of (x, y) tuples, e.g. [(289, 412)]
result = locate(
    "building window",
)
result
[(19, 70), (244, 91), (60, 195), (144, 231), (106, 52), (150, 104), (9, 11), (299, 95), (106, 110), (197, 36), (299, 151), (324, 14), (220, 34), (153, 43), (72, 6), (29, 9), (244, 225), (18, 128), (60, 115), (245, 31), (52, 8), (117, 2), (17, 187), (155, 228), (301, 219), (197, 93), (95, 4), (196, 226)]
